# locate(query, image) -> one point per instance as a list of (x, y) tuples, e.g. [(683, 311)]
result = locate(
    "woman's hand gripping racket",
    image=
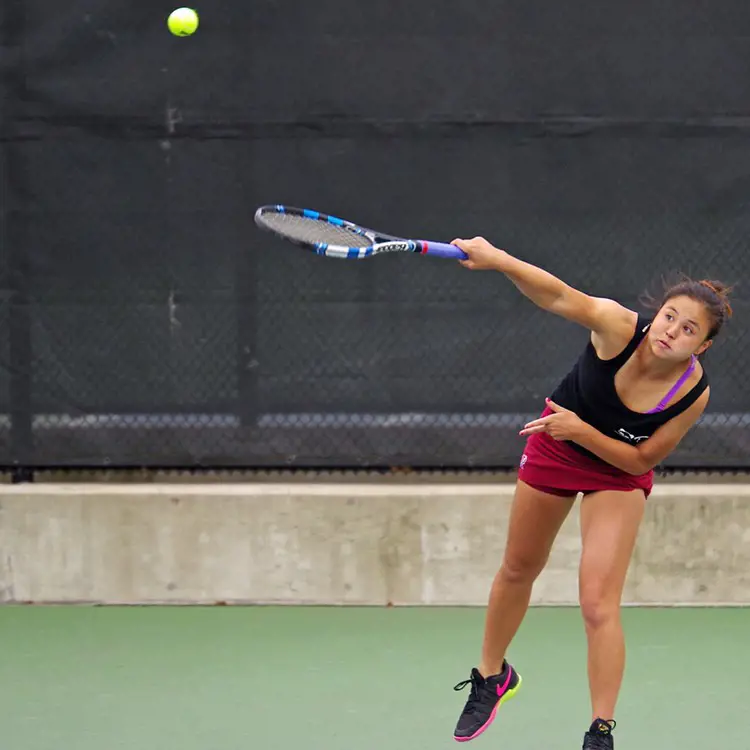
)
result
[(337, 238)]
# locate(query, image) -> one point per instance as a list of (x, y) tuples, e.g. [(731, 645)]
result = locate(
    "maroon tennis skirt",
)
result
[(554, 467)]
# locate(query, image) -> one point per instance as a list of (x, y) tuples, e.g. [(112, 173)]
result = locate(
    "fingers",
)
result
[(461, 245), (550, 430), (534, 427), (465, 245), (471, 244), (543, 424), (481, 255), (552, 405), (532, 430)]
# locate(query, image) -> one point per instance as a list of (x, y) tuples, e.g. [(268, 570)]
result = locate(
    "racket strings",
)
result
[(304, 229)]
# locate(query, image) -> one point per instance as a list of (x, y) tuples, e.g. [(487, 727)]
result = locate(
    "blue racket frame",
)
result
[(378, 242)]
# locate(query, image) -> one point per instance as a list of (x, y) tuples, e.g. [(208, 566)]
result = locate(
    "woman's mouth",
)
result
[(663, 344)]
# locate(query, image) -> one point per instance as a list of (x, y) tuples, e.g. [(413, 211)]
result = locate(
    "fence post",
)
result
[(15, 238)]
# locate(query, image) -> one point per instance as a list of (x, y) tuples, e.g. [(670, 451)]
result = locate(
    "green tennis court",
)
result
[(196, 678)]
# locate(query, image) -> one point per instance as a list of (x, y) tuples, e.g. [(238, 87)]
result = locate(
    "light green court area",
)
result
[(257, 678)]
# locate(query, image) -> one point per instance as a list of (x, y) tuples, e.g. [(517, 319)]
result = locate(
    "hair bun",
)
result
[(720, 290)]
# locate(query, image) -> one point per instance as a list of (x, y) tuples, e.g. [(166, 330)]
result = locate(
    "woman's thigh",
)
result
[(535, 520), (610, 520)]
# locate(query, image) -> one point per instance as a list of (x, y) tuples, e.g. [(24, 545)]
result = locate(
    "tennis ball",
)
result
[(183, 21)]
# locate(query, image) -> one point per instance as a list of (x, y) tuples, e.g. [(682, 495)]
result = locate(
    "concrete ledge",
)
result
[(341, 544)]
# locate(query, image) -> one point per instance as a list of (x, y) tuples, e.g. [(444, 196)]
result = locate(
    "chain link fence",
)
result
[(146, 322)]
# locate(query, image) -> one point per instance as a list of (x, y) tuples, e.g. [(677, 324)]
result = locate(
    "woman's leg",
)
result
[(609, 527), (535, 519)]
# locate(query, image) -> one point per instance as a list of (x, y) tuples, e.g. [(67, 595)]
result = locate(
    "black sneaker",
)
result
[(599, 736), (487, 695)]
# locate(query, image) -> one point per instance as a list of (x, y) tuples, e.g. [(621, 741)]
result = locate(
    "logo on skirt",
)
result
[(524, 459)]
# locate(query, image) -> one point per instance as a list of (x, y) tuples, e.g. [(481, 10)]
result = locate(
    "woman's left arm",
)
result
[(633, 459)]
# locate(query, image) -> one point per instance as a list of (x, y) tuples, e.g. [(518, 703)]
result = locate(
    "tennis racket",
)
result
[(337, 238)]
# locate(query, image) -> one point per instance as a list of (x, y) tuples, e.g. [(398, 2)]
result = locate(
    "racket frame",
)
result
[(379, 242)]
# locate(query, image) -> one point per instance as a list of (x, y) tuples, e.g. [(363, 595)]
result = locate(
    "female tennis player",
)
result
[(633, 394)]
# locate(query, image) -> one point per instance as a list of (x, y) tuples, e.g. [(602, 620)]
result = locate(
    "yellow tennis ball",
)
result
[(183, 21)]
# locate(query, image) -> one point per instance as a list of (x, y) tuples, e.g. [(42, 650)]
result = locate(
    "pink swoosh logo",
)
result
[(501, 690)]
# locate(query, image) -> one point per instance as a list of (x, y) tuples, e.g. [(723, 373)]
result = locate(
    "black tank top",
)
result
[(589, 390)]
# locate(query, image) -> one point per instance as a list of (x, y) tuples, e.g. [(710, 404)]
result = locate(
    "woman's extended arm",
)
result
[(598, 314)]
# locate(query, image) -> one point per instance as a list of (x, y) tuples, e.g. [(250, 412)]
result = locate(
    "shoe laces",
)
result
[(477, 682), (599, 737)]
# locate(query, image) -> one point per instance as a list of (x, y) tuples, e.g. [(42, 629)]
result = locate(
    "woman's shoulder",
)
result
[(623, 327)]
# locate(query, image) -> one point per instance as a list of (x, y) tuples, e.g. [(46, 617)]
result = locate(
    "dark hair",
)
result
[(714, 295)]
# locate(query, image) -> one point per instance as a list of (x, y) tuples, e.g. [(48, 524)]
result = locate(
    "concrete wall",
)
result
[(340, 543)]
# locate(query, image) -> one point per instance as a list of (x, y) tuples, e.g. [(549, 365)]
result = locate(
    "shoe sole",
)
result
[(506, 697)]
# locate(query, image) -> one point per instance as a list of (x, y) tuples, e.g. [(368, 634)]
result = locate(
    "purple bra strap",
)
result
[(676, 387)]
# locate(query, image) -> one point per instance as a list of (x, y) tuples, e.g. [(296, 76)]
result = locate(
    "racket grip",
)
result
[(443, 250)]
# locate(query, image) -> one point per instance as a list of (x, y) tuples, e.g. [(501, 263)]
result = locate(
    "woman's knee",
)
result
[(522, 569), (598, 607)]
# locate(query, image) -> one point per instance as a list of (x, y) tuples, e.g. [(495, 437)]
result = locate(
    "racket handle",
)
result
[(442, 250)]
